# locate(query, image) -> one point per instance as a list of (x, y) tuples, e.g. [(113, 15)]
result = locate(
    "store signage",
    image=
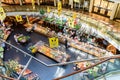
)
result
[(2, 14), (48, 9), (59, 6), (53, 42), (18, 18)]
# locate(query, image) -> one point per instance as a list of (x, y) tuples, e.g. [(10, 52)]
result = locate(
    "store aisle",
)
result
[(46, 73)]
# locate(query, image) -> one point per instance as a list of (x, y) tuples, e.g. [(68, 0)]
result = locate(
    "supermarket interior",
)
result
[(59, 39)]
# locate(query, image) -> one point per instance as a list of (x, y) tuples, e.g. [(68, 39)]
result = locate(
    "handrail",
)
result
[(85, 68), (7, 77), (65, 63)]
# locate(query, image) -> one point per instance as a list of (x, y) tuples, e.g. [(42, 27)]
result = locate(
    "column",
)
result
[(71, 3), (91, 5), (20, 2), (79, 3), (38, 1), (0, 3), (55, 3), (114, 9)]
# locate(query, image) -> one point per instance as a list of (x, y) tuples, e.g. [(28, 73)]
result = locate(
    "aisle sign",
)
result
[(18, 18), (53, 42), (59, 6), (2, 14), (48, 9)]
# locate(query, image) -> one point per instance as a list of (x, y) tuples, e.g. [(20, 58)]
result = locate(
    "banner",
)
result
[(18, 18), (59, 6), (2, 14), (48, 9), (53, 42)]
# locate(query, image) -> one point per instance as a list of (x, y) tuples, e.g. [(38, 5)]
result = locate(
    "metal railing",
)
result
[(102, 59)]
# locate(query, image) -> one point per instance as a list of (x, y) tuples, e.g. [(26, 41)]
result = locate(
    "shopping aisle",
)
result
[(46, 73)]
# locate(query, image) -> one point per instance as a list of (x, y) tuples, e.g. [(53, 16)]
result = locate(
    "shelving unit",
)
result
[(54, 54)]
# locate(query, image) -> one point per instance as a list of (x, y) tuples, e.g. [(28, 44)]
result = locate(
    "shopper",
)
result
[(66, 43)]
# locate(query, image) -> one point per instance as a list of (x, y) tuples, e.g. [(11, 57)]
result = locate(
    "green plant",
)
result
[(12, 66), (42, 12)]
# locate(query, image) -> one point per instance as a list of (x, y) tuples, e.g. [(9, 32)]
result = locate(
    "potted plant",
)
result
[(42, 12)]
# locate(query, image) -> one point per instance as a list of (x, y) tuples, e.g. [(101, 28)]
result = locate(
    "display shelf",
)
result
[(54, 54), (5, 32), (21, 38), (86, 47)]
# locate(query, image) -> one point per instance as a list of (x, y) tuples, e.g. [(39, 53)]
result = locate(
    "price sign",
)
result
[(53, 42), (18, 18), (59, 6), (48, 9), (2, 14)]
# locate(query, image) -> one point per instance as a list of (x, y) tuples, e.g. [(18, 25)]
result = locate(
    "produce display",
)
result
[(21, 38), (56, 55), (13, 69), (4, 32)]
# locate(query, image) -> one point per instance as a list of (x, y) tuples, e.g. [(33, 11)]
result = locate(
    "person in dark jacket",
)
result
[(66, 43)]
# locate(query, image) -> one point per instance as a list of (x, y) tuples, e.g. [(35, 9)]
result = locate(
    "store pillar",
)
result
[(20, 2), (0, 2), (71, 3), (55, 2), (38, 2), (91, 5), (114, 9)]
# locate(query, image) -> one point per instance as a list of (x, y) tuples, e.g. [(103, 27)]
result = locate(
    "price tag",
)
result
[(53, 42)]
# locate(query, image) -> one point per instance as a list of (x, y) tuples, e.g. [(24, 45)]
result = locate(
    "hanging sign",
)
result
[(59, 6), (48, 9), (18, 18), (2, 14), (53, 42)]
